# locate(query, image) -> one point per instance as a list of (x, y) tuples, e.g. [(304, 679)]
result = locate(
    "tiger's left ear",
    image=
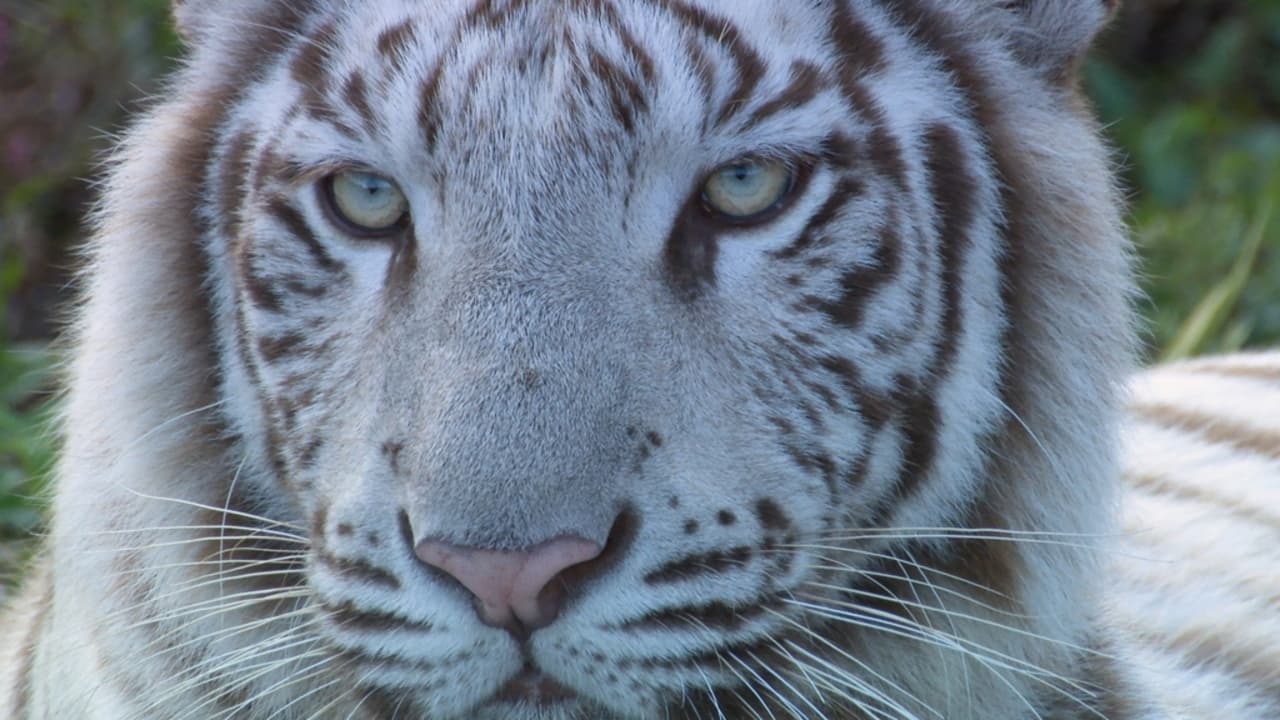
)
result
[(1053, 35)]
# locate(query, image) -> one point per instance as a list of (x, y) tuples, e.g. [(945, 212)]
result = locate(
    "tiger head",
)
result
[(648, 358)]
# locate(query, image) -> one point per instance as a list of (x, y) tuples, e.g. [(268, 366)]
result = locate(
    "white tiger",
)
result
[(556, 359)]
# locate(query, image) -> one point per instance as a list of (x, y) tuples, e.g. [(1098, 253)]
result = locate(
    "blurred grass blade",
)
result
[(1213, 311)]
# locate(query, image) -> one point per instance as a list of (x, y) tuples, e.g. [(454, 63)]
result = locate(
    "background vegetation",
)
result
[(1189, 90)]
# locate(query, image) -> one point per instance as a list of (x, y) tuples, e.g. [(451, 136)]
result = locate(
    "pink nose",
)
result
[(514, 588)]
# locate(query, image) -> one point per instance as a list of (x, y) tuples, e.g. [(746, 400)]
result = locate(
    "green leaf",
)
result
[(1211, 314)]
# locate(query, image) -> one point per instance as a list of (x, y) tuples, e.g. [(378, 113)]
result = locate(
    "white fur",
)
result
[(540, 337)]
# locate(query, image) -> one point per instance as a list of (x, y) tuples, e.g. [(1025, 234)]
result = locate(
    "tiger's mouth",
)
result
[(531, 686)]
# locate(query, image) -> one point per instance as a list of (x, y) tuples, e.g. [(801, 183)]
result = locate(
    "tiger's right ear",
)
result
[(1054, 34)]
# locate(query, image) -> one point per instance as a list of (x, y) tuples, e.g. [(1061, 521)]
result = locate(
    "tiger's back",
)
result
[(1196, 588), (535, 360)]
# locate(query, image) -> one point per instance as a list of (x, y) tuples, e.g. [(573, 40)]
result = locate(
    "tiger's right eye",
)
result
[(748, 190), (365, 204)]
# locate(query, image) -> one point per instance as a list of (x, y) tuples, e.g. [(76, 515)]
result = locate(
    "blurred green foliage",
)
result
[(69, 70), (1193, 102), (26, 445), (26, 437), (1189, 91)]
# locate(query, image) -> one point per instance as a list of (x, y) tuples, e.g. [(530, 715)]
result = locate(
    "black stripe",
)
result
[(714, 562), (691, 250), (860, 283), (297, 226), (749, 65), (1211, 428), (356, 92), (347, 616), (394, 42), (30, 643), (806, 82), (429, 118), (862, 53), (626, 97), (311, 71), (234, 167), (1242, 509), (952, 185), (1247, 372), (357, 570), (274, 348), (717, 616), (846, 188)]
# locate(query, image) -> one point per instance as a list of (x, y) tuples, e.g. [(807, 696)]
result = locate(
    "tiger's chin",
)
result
[(534, 694), (529, 694), (524, 697), (504, 706), (533, 711), (538, 709)]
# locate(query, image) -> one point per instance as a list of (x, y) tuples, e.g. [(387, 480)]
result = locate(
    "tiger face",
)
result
[(616, 359)]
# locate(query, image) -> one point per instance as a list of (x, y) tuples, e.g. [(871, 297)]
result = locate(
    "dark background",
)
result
[(1189, 91)]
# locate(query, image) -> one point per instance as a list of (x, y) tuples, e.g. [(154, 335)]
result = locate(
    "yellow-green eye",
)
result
[(745, 190), (368, 204)]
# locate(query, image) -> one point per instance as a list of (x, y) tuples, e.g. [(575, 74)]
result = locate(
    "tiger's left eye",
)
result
[(365, 204), (747, 190)]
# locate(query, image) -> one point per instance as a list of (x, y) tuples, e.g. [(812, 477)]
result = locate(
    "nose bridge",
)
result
[(517, 429), (522, 435)]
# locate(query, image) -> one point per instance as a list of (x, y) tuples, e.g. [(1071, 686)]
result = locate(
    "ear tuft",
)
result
[(1053, 35)]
